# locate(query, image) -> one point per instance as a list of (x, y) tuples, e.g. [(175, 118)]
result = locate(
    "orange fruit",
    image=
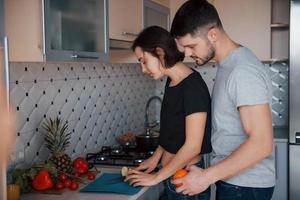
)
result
[(179, 174)]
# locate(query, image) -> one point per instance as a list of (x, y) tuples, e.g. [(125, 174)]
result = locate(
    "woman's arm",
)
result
[(150, 164), (195, 129)]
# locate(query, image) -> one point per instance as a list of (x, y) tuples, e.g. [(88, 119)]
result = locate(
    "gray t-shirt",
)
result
[(241, 80)]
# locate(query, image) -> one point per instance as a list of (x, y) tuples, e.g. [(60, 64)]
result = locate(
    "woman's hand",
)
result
[(138, 178), (148, 165)]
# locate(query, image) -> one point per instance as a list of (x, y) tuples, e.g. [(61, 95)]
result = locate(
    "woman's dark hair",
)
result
[(194, 15), (154, 36)]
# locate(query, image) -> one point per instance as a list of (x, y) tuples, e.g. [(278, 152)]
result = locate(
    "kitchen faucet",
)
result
[(147, 124)]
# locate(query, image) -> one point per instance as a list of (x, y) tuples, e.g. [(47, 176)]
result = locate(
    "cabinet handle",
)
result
[(276, 158), (81, 56), (129, 34), (276, 60)]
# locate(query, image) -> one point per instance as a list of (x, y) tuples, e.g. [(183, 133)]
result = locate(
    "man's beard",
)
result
[(210, 55)]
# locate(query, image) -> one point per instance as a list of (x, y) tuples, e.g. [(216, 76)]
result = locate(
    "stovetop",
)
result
[(118, 155)]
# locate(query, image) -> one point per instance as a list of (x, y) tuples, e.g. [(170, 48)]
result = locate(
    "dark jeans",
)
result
[(226, 191), (171, 194)]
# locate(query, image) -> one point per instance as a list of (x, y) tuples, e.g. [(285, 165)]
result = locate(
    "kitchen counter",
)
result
[(281, 133), (146, 193)]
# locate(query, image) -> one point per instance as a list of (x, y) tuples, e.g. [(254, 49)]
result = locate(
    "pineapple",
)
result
[(57, 140)]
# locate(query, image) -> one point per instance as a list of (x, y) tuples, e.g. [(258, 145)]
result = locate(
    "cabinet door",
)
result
[(248, 23), (165, 3), (156, 14), (125, 19), (75, 29), (24, 28), (281, 171)]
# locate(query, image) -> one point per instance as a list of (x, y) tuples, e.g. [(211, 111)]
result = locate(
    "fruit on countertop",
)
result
[(42, 181), (62, 177), (59, 185), (80, 165), (124, 171), (91, 176), (31, 179), (24, 177), (57, 140), (74, 185), (179, 174), (67, 183)]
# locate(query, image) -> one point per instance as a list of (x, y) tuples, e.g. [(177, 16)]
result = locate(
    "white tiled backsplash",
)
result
[(99, 101)]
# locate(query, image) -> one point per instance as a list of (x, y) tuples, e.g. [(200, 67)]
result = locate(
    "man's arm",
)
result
[(257, 123)]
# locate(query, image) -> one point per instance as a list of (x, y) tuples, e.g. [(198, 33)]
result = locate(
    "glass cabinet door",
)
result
[(75, 28)]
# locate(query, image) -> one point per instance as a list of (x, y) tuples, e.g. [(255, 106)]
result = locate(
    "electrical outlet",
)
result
[(18, 156), (21, 155)]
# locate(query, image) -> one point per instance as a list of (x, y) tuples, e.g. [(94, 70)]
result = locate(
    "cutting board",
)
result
[(106, 184)]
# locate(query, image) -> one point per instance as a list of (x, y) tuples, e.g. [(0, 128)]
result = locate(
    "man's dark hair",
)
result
[(154, 36), (194, 15)]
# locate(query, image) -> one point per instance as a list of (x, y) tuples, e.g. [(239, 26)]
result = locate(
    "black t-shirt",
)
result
[(191, 95)]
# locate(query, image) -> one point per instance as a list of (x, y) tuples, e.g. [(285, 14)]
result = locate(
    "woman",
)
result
[(185, 113)]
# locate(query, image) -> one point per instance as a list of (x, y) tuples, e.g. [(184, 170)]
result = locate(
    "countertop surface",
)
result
[(281, 133), (146, 193)]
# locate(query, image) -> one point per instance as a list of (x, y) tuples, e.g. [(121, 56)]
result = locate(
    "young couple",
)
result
[(236, 125)]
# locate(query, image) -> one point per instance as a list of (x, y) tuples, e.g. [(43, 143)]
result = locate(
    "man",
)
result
[(242, 163)]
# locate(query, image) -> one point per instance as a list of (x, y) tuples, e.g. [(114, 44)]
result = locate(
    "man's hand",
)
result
[(196, 181)]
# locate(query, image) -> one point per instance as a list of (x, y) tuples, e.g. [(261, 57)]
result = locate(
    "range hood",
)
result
[(119, 44)]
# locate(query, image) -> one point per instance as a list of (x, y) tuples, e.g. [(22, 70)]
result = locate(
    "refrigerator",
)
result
[(294, 102), (5, 79)]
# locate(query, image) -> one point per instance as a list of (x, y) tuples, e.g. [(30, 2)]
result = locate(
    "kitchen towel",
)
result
[(105, 184)]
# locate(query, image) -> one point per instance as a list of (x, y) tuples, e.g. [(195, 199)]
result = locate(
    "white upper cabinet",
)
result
[(248, 23), (125, 19)]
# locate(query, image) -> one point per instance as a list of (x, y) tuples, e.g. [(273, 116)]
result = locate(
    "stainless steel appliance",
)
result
[(118, 156), (5, 78), (294, 102)]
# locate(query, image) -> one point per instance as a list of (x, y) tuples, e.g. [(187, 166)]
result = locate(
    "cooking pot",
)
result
[(147, 141)]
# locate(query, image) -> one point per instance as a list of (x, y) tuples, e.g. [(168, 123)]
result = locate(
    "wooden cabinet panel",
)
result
[(23, 25), (162, 2), (125, 19)]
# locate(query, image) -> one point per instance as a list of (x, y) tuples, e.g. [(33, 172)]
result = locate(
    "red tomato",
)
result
[(62, 177), (42, 181), (91, 176), (80, 165), (67, 183), (74, 185), (59, 185)]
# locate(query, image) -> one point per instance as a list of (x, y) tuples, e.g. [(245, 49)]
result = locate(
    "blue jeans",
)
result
[(226, 191), (171, 194)]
